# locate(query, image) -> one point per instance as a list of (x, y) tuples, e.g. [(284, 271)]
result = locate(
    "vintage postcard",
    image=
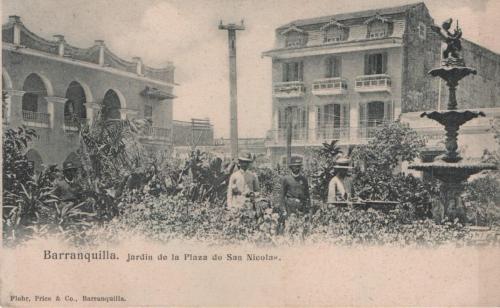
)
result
[(250, 153)]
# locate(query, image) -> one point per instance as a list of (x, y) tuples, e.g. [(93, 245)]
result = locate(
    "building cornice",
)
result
[(341, 47), (110, 70)]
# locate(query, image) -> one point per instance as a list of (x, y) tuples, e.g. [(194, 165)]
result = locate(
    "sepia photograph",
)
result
[(250, 153)]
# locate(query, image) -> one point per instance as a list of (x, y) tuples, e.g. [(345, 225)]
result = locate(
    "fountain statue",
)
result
[(450, 168)]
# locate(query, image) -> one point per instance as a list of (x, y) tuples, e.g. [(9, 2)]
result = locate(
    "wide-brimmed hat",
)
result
[(245, 157), (296, 161), (342, 163), (68, 165)]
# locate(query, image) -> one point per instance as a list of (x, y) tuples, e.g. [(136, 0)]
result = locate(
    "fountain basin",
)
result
[(452, 74), (453, 117), (454, 171)]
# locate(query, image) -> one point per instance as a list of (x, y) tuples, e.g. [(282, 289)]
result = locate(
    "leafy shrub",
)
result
[(172, 217), (375, 178)]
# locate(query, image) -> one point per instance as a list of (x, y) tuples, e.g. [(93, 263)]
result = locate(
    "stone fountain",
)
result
[(450, 168)]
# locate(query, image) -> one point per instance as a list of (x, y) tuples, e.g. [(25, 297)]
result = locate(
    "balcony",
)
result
[(156, 134), (329, 86), (373, 83), (308, 136), (369, 128), (289, 89), (279, 136), (72, 124), (329, 133), (36, 119)]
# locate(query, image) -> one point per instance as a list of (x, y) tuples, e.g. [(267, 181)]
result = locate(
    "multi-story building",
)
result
[(49, 83), (341, 76)]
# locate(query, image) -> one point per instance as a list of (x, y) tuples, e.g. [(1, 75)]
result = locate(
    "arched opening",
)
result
[(111, 106), (34, 105), (35, 161), (74, 108)]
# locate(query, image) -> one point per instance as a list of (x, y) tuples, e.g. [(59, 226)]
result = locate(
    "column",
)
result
[(92, 110), (138, 62), (100, 43), (55, 109), (354, 121), (61, 41), (14, 112), (313, 125), (16, 20)]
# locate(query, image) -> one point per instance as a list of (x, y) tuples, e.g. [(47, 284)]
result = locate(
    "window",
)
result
[(298, 116), (378, 29), (422, 30), (30, 102), (333, 67), (295, 39), (292, 71), (376, 64), (333, 120), (334, 34), (373, 114)]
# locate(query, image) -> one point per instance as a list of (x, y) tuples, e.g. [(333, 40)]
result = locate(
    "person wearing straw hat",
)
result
[(243, 183), (66, 187), (295, 189), (340, 187)]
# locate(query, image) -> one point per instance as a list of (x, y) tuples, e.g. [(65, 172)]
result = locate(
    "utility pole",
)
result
[(233, 107), (289, 125)]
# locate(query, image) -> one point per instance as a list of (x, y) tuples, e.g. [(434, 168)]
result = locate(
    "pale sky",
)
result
[(186, 33)]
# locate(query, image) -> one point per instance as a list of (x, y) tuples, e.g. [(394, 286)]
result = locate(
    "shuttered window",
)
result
[(333, 67), (292, 71), (376, 63)]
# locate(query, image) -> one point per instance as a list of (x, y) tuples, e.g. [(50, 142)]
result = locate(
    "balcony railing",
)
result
[(373, 83), (330, 132), (368, 129), (157, 133), (309, 136), (36, 119), (72, 124), (329, 86), (289, 89)]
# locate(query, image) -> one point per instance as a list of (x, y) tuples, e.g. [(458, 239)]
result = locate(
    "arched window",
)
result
[(75, 105), (35, 92), (34, 104), (111, 106)]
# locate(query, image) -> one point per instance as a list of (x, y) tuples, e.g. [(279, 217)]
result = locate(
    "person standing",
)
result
[(66, 187), (340, 187), (243, 183), (295, 189)]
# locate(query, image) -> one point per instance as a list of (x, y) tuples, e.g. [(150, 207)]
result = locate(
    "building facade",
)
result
[(50, 83), (341, 76)]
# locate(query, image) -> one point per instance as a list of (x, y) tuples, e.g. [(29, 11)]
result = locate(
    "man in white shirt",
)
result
[(340, 187), (243, 183)]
